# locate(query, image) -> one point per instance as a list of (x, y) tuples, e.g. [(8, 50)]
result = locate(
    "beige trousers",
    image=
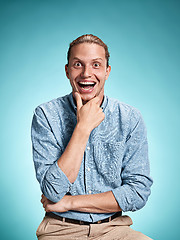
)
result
[(118, 228)]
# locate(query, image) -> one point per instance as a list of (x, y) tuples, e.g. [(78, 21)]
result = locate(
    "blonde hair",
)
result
[(89, 38)]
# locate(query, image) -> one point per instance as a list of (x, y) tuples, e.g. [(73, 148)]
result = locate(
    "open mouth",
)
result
[(86, 86)]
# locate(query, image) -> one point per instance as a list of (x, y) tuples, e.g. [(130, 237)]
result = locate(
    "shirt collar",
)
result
[(103, 105)]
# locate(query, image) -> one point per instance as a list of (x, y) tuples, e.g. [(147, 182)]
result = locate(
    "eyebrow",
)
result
[(76, 58), (98, 59)]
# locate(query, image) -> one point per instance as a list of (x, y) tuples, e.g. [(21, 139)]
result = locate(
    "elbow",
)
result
[(142, 191), (54, 189), (49, 191), (140, 199), (132, 197), (140, 203)]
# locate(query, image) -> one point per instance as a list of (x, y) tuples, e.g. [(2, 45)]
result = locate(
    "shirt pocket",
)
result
[(108, 159)]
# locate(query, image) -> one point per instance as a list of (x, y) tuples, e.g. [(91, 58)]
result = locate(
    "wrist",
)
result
[(69, 203), (83, 130)]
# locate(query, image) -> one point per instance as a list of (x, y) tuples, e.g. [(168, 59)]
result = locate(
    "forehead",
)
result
[(87, 51)]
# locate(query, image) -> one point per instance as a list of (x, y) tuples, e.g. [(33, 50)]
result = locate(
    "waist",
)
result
[(74, 221)]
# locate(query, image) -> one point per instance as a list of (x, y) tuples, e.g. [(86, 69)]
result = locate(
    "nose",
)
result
[(86, 72)]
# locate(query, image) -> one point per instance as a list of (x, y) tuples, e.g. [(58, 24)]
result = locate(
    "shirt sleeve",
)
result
[(133, 194), (46, 151)]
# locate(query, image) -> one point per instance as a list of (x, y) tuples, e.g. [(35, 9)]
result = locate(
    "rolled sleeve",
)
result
[(46, 151), (133, 194)]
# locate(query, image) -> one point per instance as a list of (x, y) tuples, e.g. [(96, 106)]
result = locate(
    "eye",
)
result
[(77, 64), (96, 64)]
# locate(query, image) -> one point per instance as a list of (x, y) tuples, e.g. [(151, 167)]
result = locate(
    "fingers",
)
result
[(96, 100), (43, 198), (46, 203), (78, 100)]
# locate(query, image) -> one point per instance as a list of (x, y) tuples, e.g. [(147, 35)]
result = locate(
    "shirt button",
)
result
[(88, 148), (88, 169), (89, 191)]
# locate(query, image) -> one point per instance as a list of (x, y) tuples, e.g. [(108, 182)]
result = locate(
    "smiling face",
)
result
[(87, 70)]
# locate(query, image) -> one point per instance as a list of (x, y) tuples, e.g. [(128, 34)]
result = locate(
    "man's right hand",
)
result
[(90, 115)]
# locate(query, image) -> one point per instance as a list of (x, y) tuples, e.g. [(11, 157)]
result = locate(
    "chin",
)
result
[(87, 98)]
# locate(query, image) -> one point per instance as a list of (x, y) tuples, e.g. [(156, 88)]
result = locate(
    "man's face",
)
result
[(87, 70)]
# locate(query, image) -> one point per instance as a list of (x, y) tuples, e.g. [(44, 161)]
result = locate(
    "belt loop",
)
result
[(63, 219), (109, 218)]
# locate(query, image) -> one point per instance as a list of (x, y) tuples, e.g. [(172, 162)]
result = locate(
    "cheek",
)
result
[(101, 77), (73, 75)]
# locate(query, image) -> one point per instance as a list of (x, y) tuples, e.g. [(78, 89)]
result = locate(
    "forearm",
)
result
[(95, 203), (70, 160)]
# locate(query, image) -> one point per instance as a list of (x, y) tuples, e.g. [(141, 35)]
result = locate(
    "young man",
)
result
[(90, 154)]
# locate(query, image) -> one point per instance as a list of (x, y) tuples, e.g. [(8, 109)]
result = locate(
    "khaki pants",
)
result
[(118, 228)]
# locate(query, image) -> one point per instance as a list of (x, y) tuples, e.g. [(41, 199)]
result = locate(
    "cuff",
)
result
[(56, 183), (123, 196)]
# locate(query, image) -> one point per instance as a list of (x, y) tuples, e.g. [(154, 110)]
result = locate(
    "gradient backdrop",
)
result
[(143, 38)]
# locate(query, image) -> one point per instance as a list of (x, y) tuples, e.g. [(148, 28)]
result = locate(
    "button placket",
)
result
[(88, 170)]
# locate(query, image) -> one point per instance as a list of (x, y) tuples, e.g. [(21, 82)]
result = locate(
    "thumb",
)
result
[(78, 100)]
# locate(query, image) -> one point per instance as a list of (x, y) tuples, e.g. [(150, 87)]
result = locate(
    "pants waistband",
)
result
[(69, 220)]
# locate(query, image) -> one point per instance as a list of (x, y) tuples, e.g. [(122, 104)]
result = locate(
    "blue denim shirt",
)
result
[(115, 159)]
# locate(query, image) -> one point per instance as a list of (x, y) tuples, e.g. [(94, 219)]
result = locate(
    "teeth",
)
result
[(87, 88), (87, 83)]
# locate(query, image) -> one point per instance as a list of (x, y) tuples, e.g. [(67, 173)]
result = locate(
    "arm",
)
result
[(89, 116), (46, 151), (136, 182), (57, 170), (95, 203)]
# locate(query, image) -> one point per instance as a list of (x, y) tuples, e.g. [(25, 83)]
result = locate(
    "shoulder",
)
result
[(128, 116), (125, 110), (52, 106)]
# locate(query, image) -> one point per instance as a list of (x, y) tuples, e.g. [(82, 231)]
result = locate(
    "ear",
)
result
[(108, 70), (66, 70)]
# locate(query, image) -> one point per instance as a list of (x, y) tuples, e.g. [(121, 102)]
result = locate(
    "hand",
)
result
[(61, 206), (90, 115)]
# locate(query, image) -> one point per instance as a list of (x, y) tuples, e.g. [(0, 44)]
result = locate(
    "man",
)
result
[(90, 154)]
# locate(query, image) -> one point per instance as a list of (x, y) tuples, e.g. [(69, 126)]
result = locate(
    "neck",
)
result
[(101, 102), (84, 102)]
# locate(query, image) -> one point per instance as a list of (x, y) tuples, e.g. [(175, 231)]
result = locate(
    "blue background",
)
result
[(143, 39)]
